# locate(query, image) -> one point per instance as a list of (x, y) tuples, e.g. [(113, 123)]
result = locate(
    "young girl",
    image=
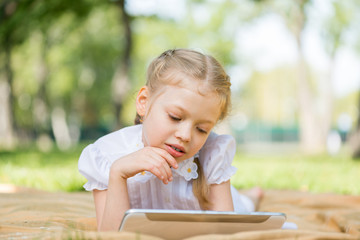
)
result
[(170, 159)]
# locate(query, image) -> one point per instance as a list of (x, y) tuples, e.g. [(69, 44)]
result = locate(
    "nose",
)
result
[(183, 132)]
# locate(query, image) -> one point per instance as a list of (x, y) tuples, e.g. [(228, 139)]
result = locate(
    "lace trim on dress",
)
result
[(89, 186), (223, 175)]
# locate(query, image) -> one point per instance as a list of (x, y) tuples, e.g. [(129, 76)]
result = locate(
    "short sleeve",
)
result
[(216, 157), (95, 167)]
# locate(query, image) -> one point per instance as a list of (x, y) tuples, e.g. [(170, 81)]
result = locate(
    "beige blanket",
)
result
[(31, 214)]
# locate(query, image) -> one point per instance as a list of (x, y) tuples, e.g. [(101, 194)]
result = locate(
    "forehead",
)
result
[(187, 99)]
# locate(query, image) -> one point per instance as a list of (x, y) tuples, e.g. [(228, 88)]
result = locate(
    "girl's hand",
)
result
[(152, 159)]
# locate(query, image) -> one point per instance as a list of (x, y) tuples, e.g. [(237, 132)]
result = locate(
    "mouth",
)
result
[(175, 150)]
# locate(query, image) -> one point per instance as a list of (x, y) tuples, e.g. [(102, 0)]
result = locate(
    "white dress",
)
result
[(148, 192)]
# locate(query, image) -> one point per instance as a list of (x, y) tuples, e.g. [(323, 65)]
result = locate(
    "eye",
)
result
[(202, 130), (172, 117)]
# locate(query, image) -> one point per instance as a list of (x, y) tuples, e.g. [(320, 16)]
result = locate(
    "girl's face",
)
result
[(179, 120)]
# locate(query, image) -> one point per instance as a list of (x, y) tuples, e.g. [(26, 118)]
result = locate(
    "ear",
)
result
[(141, 101)]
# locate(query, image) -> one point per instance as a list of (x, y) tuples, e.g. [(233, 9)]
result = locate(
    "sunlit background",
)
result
[(69, 70)]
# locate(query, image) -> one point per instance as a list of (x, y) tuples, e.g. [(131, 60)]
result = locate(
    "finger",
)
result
[(164, 168), (167, 169), (159, 167), (157, 172), (167, 156)]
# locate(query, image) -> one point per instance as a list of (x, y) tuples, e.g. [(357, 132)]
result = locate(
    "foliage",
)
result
[(65, 54), (271, 97), (19, 18)]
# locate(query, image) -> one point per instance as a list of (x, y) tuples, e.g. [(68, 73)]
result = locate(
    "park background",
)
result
[(70, 71)]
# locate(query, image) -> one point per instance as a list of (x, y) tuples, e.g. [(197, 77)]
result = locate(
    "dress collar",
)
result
[(187, 168)]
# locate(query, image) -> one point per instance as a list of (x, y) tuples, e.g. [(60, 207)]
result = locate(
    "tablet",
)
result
[(179, 224)]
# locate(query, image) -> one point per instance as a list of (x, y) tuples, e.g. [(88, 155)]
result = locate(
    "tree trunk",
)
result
[(60, 128), (8, 137), (354, 139), (312, 138), (41, 103), (120, 82), (327, 97)]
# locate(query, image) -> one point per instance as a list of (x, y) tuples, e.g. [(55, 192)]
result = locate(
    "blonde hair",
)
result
[(171, 67)]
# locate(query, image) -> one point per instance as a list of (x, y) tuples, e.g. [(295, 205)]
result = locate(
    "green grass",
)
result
[(57, 171), (339, 174), (52, 171)]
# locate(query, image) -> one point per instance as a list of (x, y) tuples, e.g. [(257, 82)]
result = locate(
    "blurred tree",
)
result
[(334, 32), (312, 133), (95, 60), (355, 138), (315, 96), (121, 83), (355, 135), (9, 36), (18, 19), (314, 112), (268, 97)]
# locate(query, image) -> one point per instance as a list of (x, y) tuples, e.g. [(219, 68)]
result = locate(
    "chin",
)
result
[(179, 160)]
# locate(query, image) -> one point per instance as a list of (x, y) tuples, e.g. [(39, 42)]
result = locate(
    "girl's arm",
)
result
[(112, 203), (220, 197), (99, 200)]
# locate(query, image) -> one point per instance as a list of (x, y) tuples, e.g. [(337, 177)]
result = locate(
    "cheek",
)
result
[(198, 143), (154, 134), (149, 135)]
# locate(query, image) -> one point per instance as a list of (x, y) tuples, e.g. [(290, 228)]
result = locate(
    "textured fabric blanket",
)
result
[(31, 214)]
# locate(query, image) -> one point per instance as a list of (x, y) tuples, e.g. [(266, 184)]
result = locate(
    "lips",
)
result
[(175, 150)]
